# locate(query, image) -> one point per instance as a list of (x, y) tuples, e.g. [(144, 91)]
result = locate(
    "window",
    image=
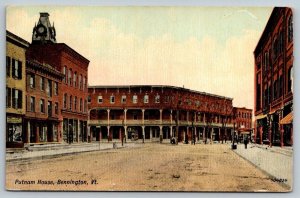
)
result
[(7, 66), (290, 29), (70, 106), (134, 99), (32, 81), (75, 103), (56, 108), (89, 99), (16, 99), (83, 83), (146, 99), (280, 86), (112, 99), (167, 99), (42, 105), (8, 97), (32, 104), (75, 79), (135, 116), (80, 107), (100, 99), (55, 88), (49, 108), (65, 100), (80, 82), (16, 69), (123, 99), (42, 83), (49, 88), (70, 77), (157, 99), (65, 80)]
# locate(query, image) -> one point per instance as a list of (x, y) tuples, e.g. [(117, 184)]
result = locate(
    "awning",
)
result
[(260, 116), (288, 119)]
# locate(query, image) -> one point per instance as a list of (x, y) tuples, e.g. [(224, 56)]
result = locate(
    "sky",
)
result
[(207, 49)]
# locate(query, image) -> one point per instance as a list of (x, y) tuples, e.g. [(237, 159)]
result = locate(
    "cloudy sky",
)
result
[(207, 49)]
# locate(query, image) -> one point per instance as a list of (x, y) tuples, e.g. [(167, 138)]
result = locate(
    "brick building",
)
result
[(274, 80), (156, 113), (73, 91), (243, 121), (15, 89), (43, 107)]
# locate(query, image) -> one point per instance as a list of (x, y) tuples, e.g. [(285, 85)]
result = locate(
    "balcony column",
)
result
[(28, 132), (143, 128), (171, 131), (125, 125), (78, 131), (108, 132), (143, 117), (160, 134), (37, 133)]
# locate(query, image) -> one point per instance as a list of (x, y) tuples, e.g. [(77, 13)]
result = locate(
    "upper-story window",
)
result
[(89, 98), (7, 66), (71, 103), (32, 80), (75, 103), (42, 105), (157, 99), (290, 79), (290, 29), (84, 84), (42, 83), (80, 81), (16, 99), (167, 99), (112, 99), (65, 100), (49, 88), (32, 104), (80, 105), (123, 99), (146, 98), (56, 88), (100, 99), (16, 69), (65, 80), (70, 77), (75, 79), (134, 99)]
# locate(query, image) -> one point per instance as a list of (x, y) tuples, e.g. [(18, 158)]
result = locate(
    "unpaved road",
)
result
[(152, 167)]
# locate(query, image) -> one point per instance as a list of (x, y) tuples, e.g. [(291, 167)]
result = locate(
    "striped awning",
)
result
[(261, 116), (288, 119)]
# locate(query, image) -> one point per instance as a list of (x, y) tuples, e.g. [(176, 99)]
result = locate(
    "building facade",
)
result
[(243, 122), (273, 57), (73, 91), (43, 104), (15, 89), (157, 113)]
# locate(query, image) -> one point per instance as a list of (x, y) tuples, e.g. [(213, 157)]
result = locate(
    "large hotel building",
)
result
[(274, 80), (156, 113)]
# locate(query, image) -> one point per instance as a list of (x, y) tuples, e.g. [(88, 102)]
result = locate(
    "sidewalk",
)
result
[(275, 161), (51, 150)]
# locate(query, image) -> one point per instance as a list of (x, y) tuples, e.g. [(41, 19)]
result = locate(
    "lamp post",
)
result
[(233, 146)]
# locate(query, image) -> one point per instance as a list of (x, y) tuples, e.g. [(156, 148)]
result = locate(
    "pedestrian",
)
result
[(246, 142)]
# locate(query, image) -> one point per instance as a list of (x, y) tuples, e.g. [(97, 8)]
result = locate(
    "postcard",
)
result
[(181, 99)]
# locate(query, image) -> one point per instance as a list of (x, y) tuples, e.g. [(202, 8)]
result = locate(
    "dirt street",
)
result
[(152, 167)]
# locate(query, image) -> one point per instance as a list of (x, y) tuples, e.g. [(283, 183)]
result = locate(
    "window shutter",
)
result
[(13, 98), (7, 65), (13, 68), (19, 69), (20, 99)]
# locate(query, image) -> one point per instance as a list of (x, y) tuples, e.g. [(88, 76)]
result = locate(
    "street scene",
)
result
[(148, 167), (149, 99)]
